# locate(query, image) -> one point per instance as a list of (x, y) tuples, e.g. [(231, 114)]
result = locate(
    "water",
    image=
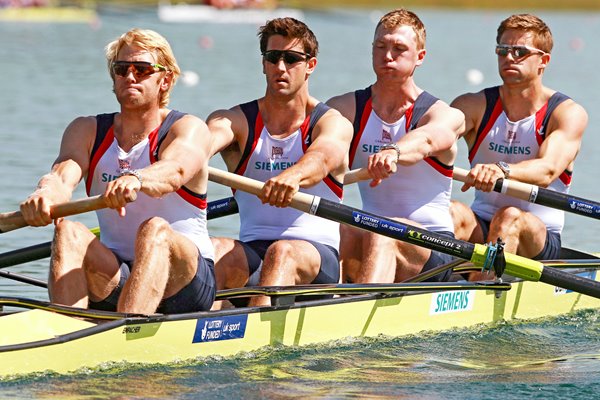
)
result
[(52, 73)]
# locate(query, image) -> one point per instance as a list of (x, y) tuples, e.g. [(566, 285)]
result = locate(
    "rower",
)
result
[(524, 131), (399, 126), (146, 152), (290, 141)]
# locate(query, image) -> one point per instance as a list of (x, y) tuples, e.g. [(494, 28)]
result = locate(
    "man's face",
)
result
[(286, 65), (395, 52), (519, 61), (141, 81)]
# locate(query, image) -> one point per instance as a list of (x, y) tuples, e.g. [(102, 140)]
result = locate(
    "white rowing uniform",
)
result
[(184, 210), (420, 192), (265, 157), (499, 139)]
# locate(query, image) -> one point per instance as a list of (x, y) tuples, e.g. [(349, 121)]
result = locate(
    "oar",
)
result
[(517, 266), (523, 191), (216, 209), (539, 195), (14, 220)]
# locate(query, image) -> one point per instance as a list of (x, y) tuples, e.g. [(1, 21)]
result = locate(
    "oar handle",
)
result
[(14, 220), (301, 201), (360, 174), (516, 189)]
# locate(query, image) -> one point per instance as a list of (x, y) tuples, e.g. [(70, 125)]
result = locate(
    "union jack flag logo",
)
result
[(124, 164), (276, 151), (386, 136)]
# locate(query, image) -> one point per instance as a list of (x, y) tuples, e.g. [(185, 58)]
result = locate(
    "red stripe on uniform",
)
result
[(495, 113), (363, 122), (539, 119), (439, 167), (108, 139), (335, 187), (196, 201)]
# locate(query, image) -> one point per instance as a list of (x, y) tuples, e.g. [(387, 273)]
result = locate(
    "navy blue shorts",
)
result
[(198, 295), (437, 258), (551, 250), (256, 249)]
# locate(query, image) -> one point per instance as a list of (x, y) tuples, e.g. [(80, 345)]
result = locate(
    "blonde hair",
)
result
[(542, 37), (402, 16), (152, 42)]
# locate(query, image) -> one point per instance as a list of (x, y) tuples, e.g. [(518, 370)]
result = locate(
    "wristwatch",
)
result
[(133, 172), (504, 167), (392, 146)]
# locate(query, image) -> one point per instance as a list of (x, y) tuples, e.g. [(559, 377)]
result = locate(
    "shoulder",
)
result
[(569, 114), (82, 126), (345, 104), (231, 114), (469, 100)]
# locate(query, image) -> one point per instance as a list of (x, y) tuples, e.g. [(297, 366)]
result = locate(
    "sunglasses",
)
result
[(140, 68), (289, 56), (517, 51)]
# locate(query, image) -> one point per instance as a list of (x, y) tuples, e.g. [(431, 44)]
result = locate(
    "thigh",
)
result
[(329, 270), (552, 245), (198, 295)]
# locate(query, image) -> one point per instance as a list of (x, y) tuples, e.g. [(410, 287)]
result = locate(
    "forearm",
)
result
[(161, 178)]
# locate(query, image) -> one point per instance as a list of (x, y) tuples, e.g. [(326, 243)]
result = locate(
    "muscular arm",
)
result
[(436, 135), (327, 154), (69, 167), (558, 150), (227, 128)]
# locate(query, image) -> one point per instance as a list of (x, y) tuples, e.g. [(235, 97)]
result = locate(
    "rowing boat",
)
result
[(38, 336)]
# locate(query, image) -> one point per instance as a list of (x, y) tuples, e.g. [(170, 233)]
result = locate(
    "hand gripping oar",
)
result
[(517, 266), (542, 196), (216, 209), (523, 191), (14, 220)]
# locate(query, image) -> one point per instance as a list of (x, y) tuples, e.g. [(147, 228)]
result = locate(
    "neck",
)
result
[(284, 115), (522, 101), (132, 127), (392, 99)]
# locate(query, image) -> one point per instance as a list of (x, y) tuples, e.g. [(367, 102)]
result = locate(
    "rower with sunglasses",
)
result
[(524, 131), (292, 142), (154, 254), (399, 127)]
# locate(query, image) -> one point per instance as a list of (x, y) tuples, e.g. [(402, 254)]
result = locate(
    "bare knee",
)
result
[(279, 250), (154, 232), (463, 219), (507, 218)]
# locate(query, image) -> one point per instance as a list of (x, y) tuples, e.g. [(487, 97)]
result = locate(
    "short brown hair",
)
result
[(152, 42), (401, 16), (542, 37), (289, 28)]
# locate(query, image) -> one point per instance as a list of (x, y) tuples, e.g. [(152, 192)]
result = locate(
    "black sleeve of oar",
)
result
[(568, 203), (221, 208), (569, 281)]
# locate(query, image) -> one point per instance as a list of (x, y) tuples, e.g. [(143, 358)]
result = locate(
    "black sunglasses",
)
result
[(140, 68), (289, 56), (517, 51)]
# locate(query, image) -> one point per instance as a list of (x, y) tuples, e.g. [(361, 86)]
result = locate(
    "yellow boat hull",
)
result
[(42, 340)]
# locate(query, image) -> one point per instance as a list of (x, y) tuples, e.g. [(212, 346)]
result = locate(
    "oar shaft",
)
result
[(14, 220), (542, 196), (515, 265)]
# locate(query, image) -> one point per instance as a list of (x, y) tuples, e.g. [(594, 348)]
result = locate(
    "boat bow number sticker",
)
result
[(224, 328)]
